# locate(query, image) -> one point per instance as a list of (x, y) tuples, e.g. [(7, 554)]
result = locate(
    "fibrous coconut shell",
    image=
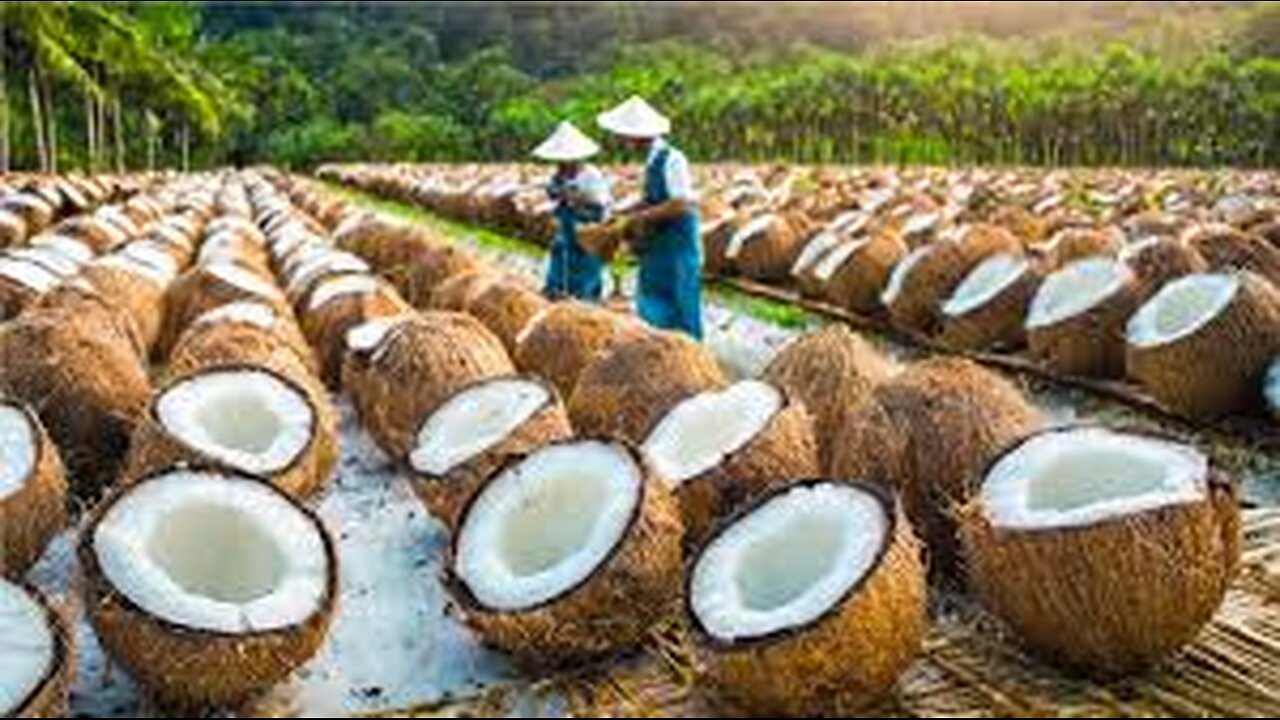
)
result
[(326, 326), (458, 292), (1226, 248), (856, 283), (1089, 343), (32, 515), (50, 699), (564, 339), (997, 323), (506, 309)]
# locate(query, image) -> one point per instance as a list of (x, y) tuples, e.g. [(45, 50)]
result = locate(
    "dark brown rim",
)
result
[(459, 586), (93, 571), (58, 628), (236, 367), (888, 504)]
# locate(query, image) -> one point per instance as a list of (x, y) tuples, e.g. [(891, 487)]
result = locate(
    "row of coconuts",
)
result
[(1167, 282), (623, 479)]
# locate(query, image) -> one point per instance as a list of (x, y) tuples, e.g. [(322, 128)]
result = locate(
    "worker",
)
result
[(582, 195), (663, 229)]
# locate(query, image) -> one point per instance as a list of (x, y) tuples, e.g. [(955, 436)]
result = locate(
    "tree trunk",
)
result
[(4, 105), (186, 146), (37, 121), (50, 120), (90, 133), (118, 126)]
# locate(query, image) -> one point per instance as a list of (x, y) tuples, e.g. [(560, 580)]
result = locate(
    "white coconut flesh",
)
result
[(1079, 477), (1075, 289), (813, 251), (752, 230), (142, 270), (541, 527), (27, 274), (1181, 308), (247, 418), (340, 287), (248, 312), (700, 432), (789, 561), (49, 259), (898, 278), (473, 421), (992, 277), (243, 279), (368, 336), (831, 263), (152, 255), (27, 647), (70, 247), (1271, 387), (213, 552), (920, 222), (17, 450), (328, 264)]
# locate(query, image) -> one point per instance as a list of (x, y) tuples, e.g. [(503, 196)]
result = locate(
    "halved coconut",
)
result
[(853, 274), (1271, 388), (897, 435), (338, 304), (473, 433), (245, 418), (1105, 551), (810, 603), (80, 298), (830, 371), (66, 246), (33, 490), (568, 553), (716, 236), (36, 655), (21, 281), (629, 388), (565, 338), (362, 343), (1202, 344), (768, 246), (418, 365), (1075, 323), (48, 258), (36, 212), (844, 228), (424, 267), (96, 231), (506, 308), (989, 306), (206, 287), (133, 287), (13, 229), (1157, 260), (459, 291), (1075, 243), (240, 332), (1226, 248), (719, 449), (85, 382), (306, 276), (207, 586)]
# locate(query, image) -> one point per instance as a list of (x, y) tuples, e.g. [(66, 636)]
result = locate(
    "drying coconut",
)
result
[(419, 276), (304, 278), (13, 229), (852, 275), (840, 231), (66, 246), (362, 342), (418, 365), (241, 332), (1021, 222), (1158, 260), (719, 449), (1105, 551), (1202, 344), (894, 437), (37, 657), (1075, 323), (716, 236), (21, 282), (1226, 248), (339, 304), (989, 306), (506, 308), (472, 434), (628, 389), (209, 587), (830, 371), (564, 339), (767, 247), (569, 553), (810, 603), (87, 385), (36, 213), (48, 258), (33, 490), (245, 418), (95, 309), (206, 287), (458, 292), (95, 231), (133, 287), (1073, 244), (1271, 388)]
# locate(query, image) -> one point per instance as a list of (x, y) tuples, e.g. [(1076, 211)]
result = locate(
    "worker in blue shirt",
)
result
[(582, 195)]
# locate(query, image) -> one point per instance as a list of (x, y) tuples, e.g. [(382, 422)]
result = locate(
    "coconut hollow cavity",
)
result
[(31, 653), (19, 445), (1271, 388), (1083, 476), (542, 527), (213, 552), (1077, 288), (992, 277), (1181, 308), (701, 431), (247, 418), (474, 421), (788, 561)]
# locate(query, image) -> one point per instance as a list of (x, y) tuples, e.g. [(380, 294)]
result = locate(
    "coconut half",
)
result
[(33, 490), (243, 332), (1075, 322), (471, 435), (570, 552), (1271, 388), (207, 586), (989, 306), (721, 448), (564, 339), (35, 655), (809, 603), (853, 274), (338, 304), (21, 281), (507, 308), (1202, 344), (1105, 551)]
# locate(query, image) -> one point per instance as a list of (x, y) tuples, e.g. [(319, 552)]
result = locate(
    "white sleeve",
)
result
[(679, 179), (596, 187)]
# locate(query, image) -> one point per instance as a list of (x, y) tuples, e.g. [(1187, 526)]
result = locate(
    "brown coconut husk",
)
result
[(1158, 261), (423, 362), (1078, 243), (239, 341), (1217, 369), (77, 297), (326, 326), (31, 516), (830, 371), (198, 291), (633, 385), (997, 323), (140, 295), (768, 257), (50, 699), (95, 232), (1114, 597), (85, 382), (506, 308), (846, 659), (715, 240), (1090, 343), (16, 294), (929, 432), (447, 495), (857, 282), (190, 669), (36, 212), (419, 276), (13, 229), (937, 274), (563, 340), (784, 451), (459, 291), (1226, 248), (612, 610)]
